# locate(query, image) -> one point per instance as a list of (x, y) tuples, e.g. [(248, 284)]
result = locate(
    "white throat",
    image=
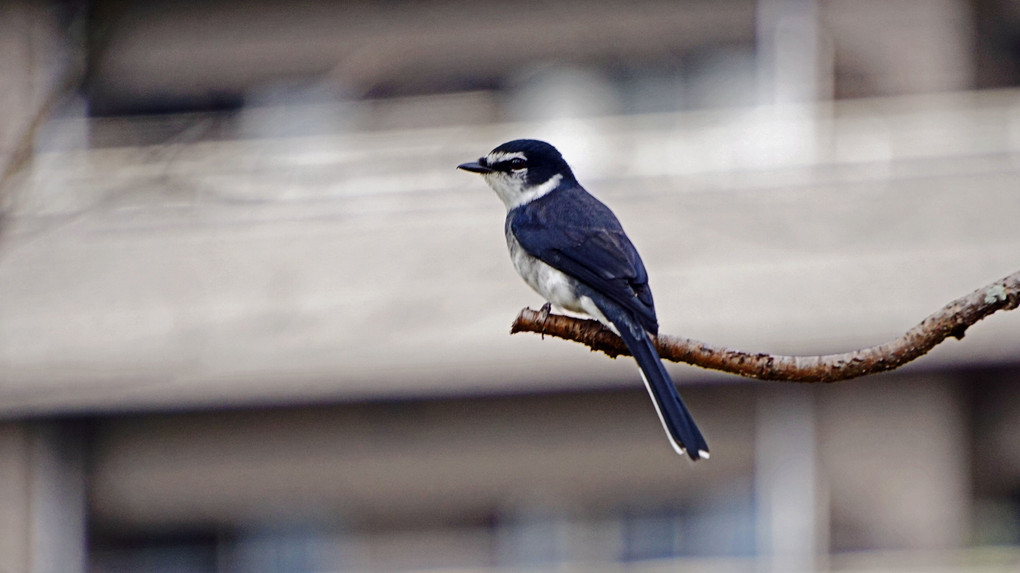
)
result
[(514, 191)]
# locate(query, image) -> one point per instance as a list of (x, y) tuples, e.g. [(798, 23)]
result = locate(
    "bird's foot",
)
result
[(543, 315)]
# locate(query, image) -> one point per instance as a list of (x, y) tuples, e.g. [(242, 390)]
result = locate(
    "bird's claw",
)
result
[(543, 316)]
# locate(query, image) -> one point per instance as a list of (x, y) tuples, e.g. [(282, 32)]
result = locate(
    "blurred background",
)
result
[(253, 320)]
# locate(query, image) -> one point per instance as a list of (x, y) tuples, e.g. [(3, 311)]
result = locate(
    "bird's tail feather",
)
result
[(683, 433)]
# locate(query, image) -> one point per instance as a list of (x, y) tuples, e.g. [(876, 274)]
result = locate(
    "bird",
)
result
[(570, 248)]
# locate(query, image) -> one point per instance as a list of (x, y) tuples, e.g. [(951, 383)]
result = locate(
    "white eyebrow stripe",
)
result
[(497, 156)]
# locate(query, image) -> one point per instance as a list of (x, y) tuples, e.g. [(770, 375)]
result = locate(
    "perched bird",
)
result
[(571, 248)]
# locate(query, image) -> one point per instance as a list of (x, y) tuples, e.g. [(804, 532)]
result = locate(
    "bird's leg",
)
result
[(543, 314)]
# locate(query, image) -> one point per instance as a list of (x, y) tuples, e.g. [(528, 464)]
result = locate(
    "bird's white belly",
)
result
[(554, 285)]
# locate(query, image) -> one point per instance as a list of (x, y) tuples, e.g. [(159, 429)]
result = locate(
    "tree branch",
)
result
[(951, 320)]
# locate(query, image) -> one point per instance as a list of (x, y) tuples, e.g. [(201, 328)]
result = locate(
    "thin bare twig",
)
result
[(951, 320)]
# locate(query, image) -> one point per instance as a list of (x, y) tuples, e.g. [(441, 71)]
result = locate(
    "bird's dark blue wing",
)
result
[(573, 232), (580, 236)]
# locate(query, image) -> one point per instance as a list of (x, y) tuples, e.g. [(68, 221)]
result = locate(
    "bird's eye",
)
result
[(517, 163)]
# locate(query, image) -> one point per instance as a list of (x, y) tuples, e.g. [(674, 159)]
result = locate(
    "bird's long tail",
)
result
[(683, 433)]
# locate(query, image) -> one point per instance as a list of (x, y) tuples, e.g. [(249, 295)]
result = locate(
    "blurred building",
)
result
[(252, 319)]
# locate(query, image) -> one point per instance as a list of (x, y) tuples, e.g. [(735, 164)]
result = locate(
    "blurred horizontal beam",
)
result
[(362, 264)]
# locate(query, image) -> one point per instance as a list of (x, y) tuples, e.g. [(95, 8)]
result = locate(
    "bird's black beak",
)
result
[(475, 167)]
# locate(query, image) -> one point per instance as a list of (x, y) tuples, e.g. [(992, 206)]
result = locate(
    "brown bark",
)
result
[(952, 320)]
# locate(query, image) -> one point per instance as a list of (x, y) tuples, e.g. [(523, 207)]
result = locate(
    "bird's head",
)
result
[(522, 170)]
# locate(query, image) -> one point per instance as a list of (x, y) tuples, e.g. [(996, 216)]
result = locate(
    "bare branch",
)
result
[(951, 320)]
